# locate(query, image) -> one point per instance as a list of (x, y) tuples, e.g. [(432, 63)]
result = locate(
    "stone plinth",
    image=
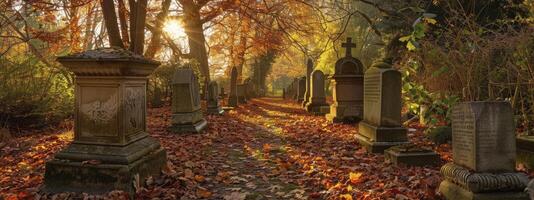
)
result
[(411, 155), (110, 125), (347, 85), (484, 153), (214, 106), (186, 112), (317, 94), (381, 127)]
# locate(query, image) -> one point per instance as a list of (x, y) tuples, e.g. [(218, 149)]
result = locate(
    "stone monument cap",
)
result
[(107, 54)]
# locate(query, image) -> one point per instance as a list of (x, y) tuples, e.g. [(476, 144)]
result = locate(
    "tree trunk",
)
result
[(155, 43), (123, 23), (110, 19), (196, 37), (137, 25)]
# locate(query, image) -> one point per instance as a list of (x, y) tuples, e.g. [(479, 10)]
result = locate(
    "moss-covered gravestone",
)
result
[(232, 96), (111, 148), (213, 99), (381, 127), (347, 83), (483, 152), (317, 93), (295, 89), (186, 112), (301, 89), (307, 93)]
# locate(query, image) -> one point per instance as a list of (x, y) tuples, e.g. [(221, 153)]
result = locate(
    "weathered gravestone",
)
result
[(317, 93), (301, 89), (186, 112), (283, 93), (222, 94), (111, 146), (156, 98), (232, 97), (484, 152), (249, 89), (214, 107), (381, 127), (309, 69), (347, 83)]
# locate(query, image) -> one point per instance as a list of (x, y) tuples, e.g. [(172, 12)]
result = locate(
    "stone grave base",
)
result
[(232, 101), (377, 139), (411, 156), (376, 147), (189, 128), (98, 169), (242, 99), (324, 110), (341, 114), (215, 111), (453, 191), (525, 143), (315, 108)]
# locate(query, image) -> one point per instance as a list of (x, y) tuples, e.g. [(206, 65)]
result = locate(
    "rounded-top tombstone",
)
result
[(110, 125), (186, 112), (317, 93), (232, 97), (347, 84)]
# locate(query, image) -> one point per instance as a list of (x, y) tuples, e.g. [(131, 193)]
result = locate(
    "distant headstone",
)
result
[(232, 97), (296, 89), (186, 112), (381, 127), (222, 94), (317, 93), (309, 69), (241, 93), (214, 107), (301, 89), (156, 98), (283, 93), (347, 92), (110, 126), (484, 152)]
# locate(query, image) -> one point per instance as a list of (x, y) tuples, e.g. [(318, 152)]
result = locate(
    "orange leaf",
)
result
[(204, 193), (355, 177), (345, 197)]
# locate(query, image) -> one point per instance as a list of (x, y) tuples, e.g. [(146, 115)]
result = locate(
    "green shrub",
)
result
[(440, 135), (33, 94)]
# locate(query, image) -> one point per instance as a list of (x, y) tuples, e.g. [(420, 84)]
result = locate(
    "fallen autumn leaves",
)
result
[(266, 149)]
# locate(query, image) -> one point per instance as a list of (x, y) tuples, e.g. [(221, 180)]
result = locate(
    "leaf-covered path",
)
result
[(268, 148)]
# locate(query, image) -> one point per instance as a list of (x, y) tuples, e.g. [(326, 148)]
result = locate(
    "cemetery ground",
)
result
[(268, 148)]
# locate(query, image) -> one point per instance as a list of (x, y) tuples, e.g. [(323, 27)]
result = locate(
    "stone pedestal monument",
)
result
[(381, 127), (307, 93), (232, 96), (301, 89), (111, 147), (186, 112), (484, 152), (214, 107), (347, 83), (317, 93)]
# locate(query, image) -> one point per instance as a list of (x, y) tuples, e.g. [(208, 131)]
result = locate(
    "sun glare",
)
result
[(174, 29)]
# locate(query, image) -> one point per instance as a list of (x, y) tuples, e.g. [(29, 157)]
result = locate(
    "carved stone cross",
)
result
[(348, 45)]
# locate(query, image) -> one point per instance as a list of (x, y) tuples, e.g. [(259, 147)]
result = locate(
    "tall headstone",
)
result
[(317, 93), (186, 112), (347, 83), (232, 96), (110, 126), (309, 69), (214, 107), (381, 127), (484, 152), (301, 89)]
